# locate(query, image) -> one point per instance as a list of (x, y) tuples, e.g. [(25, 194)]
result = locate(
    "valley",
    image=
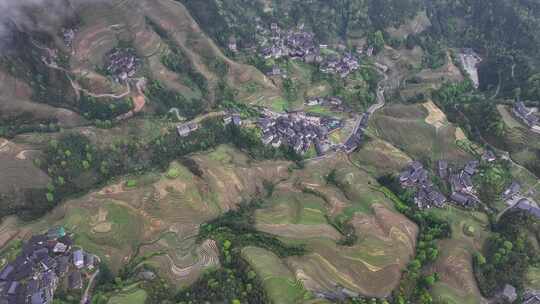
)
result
[(274, 151)]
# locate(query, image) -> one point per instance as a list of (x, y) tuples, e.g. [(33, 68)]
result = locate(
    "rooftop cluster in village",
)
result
[(295, 44), (513, 197), (460, 180), (299, 44), (122, 63), (299, 131), (415, 176), (343, 65), (44, 261), (527, 115), (461, 184)]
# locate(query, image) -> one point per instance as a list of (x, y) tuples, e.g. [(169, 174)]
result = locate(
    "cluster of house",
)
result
[(44, 262), (68, 35), (122, 63), (462, 189), (527, 115), (333, 102), (295, 44), (299, 44), (513, 197), (461, 183), (342, 65), (415, 176), (299, 131)]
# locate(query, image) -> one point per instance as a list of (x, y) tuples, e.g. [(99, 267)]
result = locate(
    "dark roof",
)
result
[(40, 254), (75, 280), (23, 271), (63, 264), (32, 286), (7, 272), (460, 198), (66, 240), (49, 263)]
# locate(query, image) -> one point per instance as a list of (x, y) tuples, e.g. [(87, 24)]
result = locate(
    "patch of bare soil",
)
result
[(435, 117), (460, 135), (298, 231)]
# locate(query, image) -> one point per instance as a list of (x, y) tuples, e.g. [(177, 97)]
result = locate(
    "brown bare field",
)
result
[(435, 117), (17, 172)]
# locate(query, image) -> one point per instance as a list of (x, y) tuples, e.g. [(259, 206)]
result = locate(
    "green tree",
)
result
[(376, 40)]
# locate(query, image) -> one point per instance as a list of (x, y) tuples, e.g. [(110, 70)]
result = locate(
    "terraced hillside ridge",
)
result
[(163, 212)]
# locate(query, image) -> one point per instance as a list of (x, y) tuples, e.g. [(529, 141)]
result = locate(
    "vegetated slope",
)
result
[(505, 31), (157, 215), (40, 97), (78, 79), (330, 20), (409, 128), (374, 241)]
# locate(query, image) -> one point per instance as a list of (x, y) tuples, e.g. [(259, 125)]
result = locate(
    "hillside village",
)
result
[(463, 192), (299, 44), (45, 263), (333, 183)]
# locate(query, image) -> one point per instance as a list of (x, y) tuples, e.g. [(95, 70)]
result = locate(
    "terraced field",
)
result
[(408, 128)]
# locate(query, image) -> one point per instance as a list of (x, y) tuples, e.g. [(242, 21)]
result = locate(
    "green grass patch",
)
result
[(173, 173), (280, 105), (442, 293), (134, 297), (533, 278), (278, 281)]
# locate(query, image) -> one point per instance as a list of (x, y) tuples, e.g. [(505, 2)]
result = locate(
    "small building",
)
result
[(489, 156), (7, 272), (63, 265), (78, 258), (463, 199), (75, 280), (186, 129), (56, 232), (49, 263), (512, 190), (528, 206), (236, 120), (267, 138), (509, 294), (227, 119), (531, 297), (182, 130), (470, 167), (90, 261), (60, 248)]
